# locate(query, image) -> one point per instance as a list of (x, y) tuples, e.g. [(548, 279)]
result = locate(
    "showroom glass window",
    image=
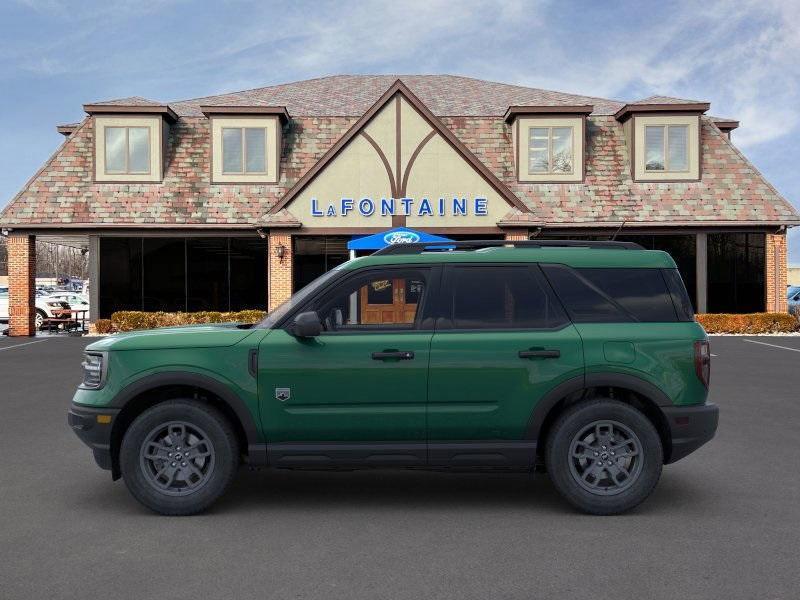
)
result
[(550, 150), (244, 150), (127, 150), (666, 148)]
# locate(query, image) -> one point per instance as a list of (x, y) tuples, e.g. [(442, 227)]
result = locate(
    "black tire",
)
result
[(39, 318), (157, 430), (579, 457)]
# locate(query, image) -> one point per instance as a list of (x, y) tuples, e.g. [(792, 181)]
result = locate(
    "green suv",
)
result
[(579, 358)]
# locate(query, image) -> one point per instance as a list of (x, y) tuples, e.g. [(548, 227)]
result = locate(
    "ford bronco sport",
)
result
[(581, 358)]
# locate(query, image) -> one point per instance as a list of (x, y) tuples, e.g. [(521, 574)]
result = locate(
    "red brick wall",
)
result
[(21, 284), (776, 271), (517, 234), (280, 272)]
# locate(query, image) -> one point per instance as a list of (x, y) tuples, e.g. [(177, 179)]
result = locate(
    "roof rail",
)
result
[(420, 247)]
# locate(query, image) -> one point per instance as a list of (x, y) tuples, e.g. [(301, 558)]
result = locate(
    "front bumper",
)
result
[(93, 426), (690, 427)]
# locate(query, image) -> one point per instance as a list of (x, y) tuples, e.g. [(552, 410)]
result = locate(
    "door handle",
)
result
[(539, 353), (393, 354)]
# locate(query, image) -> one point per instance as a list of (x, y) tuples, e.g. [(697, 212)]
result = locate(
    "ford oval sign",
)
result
[(401, 237)]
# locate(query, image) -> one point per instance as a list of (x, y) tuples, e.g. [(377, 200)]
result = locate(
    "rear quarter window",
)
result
[(613, 295)]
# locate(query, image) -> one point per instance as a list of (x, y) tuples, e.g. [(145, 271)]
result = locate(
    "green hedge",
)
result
[(750, 324), (129, 320)]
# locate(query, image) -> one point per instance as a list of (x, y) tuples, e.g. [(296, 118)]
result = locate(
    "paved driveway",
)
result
[(723, 523)]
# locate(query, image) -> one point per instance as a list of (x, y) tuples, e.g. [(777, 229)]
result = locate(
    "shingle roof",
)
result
[(352, 95), (63, 192), (130, 101), (665, 100)]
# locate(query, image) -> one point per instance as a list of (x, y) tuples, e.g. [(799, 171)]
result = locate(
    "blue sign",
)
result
[(424, 207), (398, 235)]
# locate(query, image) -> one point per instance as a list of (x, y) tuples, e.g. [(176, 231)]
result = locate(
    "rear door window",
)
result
[(500, 297), (612, 295)]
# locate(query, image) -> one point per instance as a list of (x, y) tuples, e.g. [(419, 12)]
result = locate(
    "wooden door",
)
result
[(389, 301)]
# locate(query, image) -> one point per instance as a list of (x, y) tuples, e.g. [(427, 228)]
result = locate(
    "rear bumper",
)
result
[(690, 427), (97, 435)]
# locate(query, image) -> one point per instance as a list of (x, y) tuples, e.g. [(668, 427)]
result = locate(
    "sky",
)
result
[(739, 55)]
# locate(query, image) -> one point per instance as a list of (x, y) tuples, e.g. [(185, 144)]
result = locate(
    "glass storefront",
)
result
[(182, 274), (736, 272)]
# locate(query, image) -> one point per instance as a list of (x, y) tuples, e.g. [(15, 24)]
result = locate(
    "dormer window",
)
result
[(550, 150), (666, 148), (245, 143), (548, 142), (127, 150), (244, 150)]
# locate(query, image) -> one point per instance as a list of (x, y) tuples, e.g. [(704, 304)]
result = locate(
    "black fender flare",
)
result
[(205, 382), (590, 380)]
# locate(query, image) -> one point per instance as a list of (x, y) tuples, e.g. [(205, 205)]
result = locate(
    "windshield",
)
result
[(298, 298)]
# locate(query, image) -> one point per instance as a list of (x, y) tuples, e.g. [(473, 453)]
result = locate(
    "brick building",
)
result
[(234, 201)]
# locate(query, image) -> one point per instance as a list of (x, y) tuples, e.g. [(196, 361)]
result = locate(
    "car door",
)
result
[(502, 342), (358, 391)]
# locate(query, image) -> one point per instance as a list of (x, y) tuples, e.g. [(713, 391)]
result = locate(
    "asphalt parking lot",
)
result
[(723, 523)]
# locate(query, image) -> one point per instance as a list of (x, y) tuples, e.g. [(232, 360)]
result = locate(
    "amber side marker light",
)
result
[(104, 419)]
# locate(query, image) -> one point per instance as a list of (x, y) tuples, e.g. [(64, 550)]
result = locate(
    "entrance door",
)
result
[(357, 392), (501, 343), (390, 301)]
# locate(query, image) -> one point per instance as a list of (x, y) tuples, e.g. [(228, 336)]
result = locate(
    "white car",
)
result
[(45, 307), (76, 300)]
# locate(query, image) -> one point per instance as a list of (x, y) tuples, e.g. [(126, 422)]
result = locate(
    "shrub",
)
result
[(751, 324), (129, 320), (103, 326)]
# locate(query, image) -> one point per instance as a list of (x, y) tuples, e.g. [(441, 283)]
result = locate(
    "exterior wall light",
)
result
[(280, 252)]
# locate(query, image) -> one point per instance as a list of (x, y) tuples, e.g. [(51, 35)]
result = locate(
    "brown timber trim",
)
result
[(725, 124), (398, 146), (398, 220), (630, 109), (347, 231), (411, 159), (131, 109), (67, 130), (384, 160), (278, 111), (515, 111), (399, 87)]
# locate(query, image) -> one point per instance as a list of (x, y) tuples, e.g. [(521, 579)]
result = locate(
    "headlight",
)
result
[(53, 304), (93, 370)]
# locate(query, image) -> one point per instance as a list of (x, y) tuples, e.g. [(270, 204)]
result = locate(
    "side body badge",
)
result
[(283, 394)]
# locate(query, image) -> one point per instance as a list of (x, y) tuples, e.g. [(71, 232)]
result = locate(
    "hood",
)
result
[(164, 338)]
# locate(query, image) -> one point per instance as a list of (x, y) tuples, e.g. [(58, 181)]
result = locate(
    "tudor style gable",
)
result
[(398, 164)]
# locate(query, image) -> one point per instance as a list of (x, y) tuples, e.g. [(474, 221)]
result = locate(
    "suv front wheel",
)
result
[(604, 456), (178, 457)]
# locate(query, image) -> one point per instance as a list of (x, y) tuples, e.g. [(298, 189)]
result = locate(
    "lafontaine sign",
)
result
[(422, 207)]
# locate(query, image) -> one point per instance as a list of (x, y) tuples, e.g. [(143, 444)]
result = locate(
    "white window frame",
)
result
[(127, 170), (550, 170), (243, 129), (665, 148)]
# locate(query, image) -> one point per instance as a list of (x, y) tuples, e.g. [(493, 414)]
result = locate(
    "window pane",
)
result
[(248, 273), (231, 150), (255, 139), (368, 302), (138, 149), (654, 148), (562, 149), (583, 301), (207, 273), (502, 298), (642, 292), (115, 149), (538, 150), (164, 277), (120, 266), (678, 140)]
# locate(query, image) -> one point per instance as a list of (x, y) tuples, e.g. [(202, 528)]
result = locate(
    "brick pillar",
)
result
[(517, 235), (279, 283), (21, 284), (775, 273)]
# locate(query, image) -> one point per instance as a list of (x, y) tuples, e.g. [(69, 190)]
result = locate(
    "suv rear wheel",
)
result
[(604, 456), (178, 457)]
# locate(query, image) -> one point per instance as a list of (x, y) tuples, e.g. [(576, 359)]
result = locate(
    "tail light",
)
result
[(702, 361)]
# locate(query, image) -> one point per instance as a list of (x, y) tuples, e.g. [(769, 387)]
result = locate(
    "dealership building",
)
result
[(234, 201)]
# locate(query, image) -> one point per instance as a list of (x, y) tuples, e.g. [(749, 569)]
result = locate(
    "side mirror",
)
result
[(307, 325)]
